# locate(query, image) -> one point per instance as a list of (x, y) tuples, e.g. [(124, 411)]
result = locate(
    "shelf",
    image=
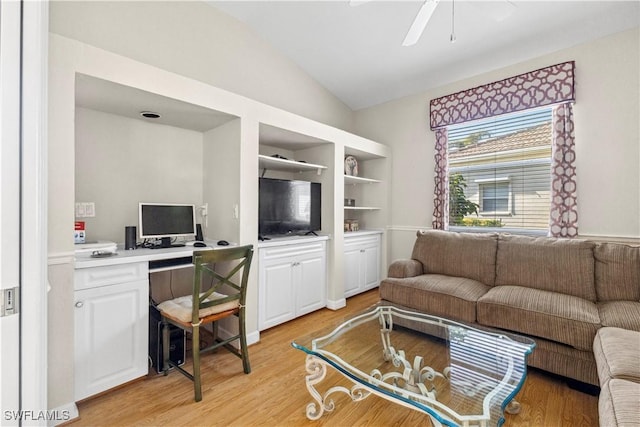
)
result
[(360, 208), (349, 179), (268, 162)]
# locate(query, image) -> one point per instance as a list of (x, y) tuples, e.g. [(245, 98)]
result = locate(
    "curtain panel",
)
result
[(546, 86), (441, 181), (564, 211)]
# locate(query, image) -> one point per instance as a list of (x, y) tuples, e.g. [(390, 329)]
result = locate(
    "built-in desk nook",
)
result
[(111, 314)]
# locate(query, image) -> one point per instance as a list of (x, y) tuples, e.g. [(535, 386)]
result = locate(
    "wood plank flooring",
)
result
[(274, 393)]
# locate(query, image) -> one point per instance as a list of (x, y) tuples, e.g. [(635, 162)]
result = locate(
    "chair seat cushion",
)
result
[(181, 308), (557, 317), (436, 294)]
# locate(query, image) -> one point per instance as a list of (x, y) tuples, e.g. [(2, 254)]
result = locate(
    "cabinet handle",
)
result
[(79, 304)]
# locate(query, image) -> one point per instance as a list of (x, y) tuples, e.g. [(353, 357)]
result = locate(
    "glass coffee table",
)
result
[(456, 374)]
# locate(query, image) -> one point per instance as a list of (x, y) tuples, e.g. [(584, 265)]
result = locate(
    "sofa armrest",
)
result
[(402, 268)]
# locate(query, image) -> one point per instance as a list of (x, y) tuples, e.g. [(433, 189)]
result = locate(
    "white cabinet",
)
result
[(111, 320), (292, 281), (361, 262)]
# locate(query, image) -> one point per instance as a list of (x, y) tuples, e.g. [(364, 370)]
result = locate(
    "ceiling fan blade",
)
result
[(419, 24)]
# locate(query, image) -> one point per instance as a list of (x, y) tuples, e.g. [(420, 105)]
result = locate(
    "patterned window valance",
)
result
[(546, 86)]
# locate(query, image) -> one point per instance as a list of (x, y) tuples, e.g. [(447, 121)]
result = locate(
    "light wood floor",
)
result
[(274, 394)]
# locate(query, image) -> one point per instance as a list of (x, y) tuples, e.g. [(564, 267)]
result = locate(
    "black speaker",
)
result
[(130, 237), (199, 236), (177, 348)]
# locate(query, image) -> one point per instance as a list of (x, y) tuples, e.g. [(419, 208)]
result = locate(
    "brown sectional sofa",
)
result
[(560, 292)]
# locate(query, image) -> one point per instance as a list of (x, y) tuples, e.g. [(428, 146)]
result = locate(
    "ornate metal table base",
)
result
[(317, 370)]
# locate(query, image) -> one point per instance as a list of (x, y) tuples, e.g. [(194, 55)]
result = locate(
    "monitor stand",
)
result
[(165, 242)]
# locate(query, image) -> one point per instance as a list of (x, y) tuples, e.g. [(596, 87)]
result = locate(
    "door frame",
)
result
[(34, 215), (24, 236)]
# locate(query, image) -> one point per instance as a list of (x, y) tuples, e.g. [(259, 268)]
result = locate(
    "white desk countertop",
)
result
[(123, 256)]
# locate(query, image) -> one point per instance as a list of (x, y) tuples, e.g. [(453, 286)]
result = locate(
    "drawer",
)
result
[(86, 278), (365, 240), (293, 250)]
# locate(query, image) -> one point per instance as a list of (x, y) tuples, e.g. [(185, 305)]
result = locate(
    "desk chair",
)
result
[(193, 311)]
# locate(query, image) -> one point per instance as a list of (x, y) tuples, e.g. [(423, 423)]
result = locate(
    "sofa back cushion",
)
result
[(457, 254), (617, 272), (558, 265)]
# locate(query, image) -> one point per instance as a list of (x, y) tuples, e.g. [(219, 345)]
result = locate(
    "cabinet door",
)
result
[(370, 265), (352, 280), (276, 297), (361, 263), (111, 324), (311, 282)]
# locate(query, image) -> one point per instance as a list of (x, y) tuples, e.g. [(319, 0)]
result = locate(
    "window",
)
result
[(494, 197), (499, 172)]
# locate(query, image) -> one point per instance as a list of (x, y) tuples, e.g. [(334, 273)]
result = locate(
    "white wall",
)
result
[(607, 141), (220, 160), (121, 162), (194, 39)]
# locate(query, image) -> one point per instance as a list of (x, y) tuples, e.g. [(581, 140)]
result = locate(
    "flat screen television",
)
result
[(288, 207), (166, 221)]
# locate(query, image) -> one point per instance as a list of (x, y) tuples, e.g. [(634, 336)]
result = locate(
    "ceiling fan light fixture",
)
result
[(420, 22)]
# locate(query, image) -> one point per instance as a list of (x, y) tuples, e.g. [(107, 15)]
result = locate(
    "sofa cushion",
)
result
[(435, 294), (562, 318), (617, 272), (618, 404), (617, 353), (467, 255), (620, 314), (558, 265)]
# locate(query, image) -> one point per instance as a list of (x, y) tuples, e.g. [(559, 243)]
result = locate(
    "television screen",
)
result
[(288, 207), (166, 220)]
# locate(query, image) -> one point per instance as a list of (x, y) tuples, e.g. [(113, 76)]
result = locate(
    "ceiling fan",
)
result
[(500, 11)]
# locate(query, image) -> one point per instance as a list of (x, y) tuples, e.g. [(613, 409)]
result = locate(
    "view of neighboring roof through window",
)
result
[(499, 173)]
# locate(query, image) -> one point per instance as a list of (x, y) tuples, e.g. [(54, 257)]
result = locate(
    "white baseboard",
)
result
[(253, 337), (336, 304), (62, 414), (224, 333)]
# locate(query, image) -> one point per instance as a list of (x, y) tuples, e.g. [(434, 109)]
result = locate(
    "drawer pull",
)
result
[(79, 304)]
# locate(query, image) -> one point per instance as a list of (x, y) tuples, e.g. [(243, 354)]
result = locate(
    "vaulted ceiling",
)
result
[(355, 49)]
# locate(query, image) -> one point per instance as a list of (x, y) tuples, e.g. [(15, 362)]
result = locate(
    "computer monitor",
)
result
[(166, 221)]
